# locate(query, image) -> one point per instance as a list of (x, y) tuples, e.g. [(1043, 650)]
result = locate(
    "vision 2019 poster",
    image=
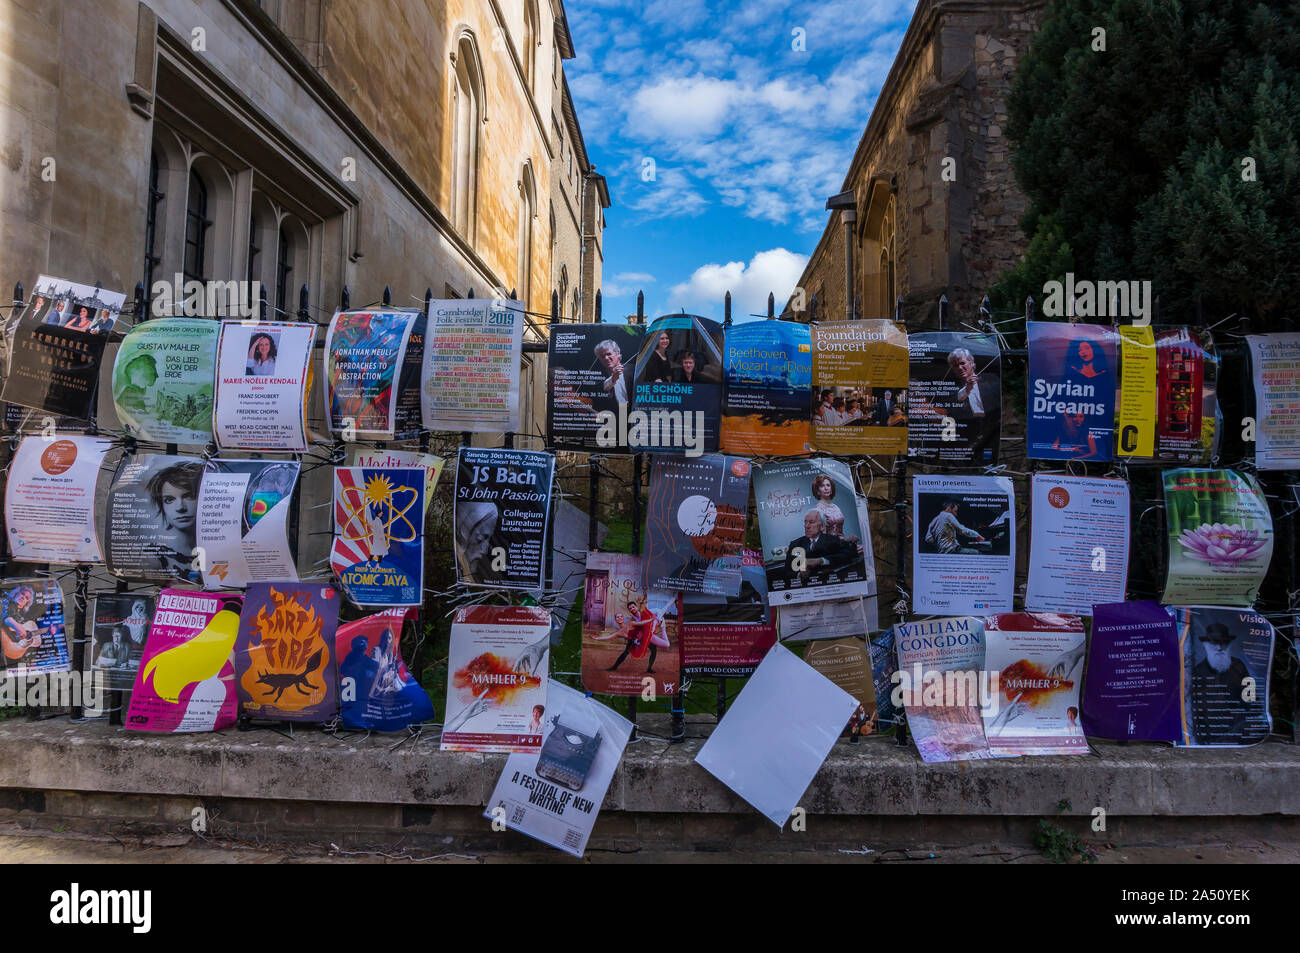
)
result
[(954, 396), (769, 380), (502, 504), (590, 369), (859, 387), (364, 359), (1072, 387), (285, 663), (378, 551), (1227, 658), (695, 527), (163, 380), (679, 386)]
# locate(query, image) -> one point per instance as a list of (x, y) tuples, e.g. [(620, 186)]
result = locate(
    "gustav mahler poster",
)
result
[(1072, 386), (679, 386), (769, 376), (263, 368), (470, 378), (695, 528), (364, 357), (378, 551), (243, 522), (1039, 661), (859, 387), (152, 518), (590, 368), (954, 396), (502, 501), (162, 380)]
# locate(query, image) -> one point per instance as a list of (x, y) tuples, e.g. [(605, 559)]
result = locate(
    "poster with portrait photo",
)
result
[(859, 387), (50, 499), (769, 376), (366, 370), (118, 632), (151, 518), (263, 370), (162, 380), (378, 693), (695, 524), (954, 394), (243, 522), (590, 369), (679, 386), (502, 503), (964, 544), (1072, 388), (378, 551), (628, 634), (32, 633), (1227, 658)]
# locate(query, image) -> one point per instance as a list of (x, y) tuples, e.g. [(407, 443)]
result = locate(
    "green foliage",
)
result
[(1059, 844)]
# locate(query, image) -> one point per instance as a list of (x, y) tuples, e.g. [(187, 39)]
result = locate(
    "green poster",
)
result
[(1220, 537), (162, 380)]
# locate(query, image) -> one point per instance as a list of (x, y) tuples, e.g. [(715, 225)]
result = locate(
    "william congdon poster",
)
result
[(554, 795), (378, 693), (628, 634), (941, 675), (1168, 405), (378, 551), (496, 684), (695, 527), (964, 544), (186, 680), (1072, 386), (1078, 543), (364, 356), (769, 380), (243, 522), (50, 499), (117, 636), (470, 379), (1227, 658), (1220, 537), (859, 387), (954, 396), (430, 463), (163, 377), (1133, 688), (56, 347), (152, 518), (1039, 661), (679, 387), (590, 369), (1275, 370), (285, 664), (32, 628), (813, 546), (502, 502), (263, 372)]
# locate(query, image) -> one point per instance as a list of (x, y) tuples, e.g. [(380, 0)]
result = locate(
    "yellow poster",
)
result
[(1137, 402), (859, 376)]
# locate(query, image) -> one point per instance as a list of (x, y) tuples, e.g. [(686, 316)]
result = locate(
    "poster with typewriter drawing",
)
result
[(365, 355), (695, 528), (472, 353), (162, 380), (151, 518), (285, 666), (1275, 371), (859, 387), (628, 634), (954, 395), (1227, 657), (502, 502), (118, 631), (263, 372), (50, 499), (964, 546), (679, 387), (378, 551), (378, 693), (554, 796), (32, 628), (243, 522), (1220, 537), (56, 347), (729, 636), (497, 668), (769, 380), (1072, 386), (590, 369), (1039, 661)]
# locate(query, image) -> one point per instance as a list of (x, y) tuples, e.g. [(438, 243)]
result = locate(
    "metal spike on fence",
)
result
[(640, 307), (388, 296), (726, 310), (345, 299), (771, 305)]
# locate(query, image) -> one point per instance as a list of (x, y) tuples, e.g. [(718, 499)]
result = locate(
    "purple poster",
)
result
[(1132, 689)]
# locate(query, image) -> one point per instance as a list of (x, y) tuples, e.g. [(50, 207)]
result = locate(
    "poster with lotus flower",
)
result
[(1220, 537)]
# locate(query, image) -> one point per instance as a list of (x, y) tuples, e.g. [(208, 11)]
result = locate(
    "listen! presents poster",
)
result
[(284, 657), (378, 553), (696, 525)]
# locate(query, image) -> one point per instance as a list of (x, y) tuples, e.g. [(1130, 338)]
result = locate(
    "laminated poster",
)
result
[(50, 499), (859, 387), (470, 378), (263, 372), (163, 380), (285, 658)]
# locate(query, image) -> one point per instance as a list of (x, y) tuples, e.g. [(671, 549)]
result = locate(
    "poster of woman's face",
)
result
[(152, 517), (263, 347)]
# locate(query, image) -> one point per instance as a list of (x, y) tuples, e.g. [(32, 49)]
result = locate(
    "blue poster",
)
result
[(1072, 385), (377, 692), (769, 389), (378, 553)]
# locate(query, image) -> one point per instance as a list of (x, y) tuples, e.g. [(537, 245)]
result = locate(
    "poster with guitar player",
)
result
[(628, 634), (378, 551), (285, 666), (31, 628)]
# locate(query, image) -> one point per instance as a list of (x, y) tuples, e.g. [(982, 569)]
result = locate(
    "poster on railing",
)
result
[(430, 463), (472, 352), (679, 387), (628, 634), (964, 546), (243, 522), (162, 380), (1133, 688), (769, 381), (1275, 370), (1220, 537), (32, 631), (186, 680), (497, 668), (805, 621), (728, 636), (152, 518), (378, 551), (377, 692), (941, 666), (1072, 387), (56, 347), (884, 663), (285, 666), (1078, 543), (50, 499), (1039, 661), (365, 354), (263, 372), (1227, 657), (118, 629), (554, 795), (695, 528), (847, 663), (1168, 405), (502, 503), (859, 387), (590, 369), (954, 396)]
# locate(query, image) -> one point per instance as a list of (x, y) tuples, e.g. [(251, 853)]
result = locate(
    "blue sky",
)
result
[(747, 135)]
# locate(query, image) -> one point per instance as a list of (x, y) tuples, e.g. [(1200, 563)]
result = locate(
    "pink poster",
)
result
[(186, 680)]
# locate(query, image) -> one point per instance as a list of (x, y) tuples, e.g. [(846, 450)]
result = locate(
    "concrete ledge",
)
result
[(873, 778)]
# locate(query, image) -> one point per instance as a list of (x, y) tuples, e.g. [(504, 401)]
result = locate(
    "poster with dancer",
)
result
[(1220, 537), (954, 394), (502, 504), (163, 380), (365, 353), (1275, 372), (695, 529), (1039, 661), (32, 632), (859, 387), (964, 547), (472, 353), (590, 369), (50, 499), (285, 663), (377, 693), (118, 630), (1072, 386), (263, 371), (152, 518), (1078, 543), (679, 387), (769, 386), (1227, 659), (243, 522), (628, 634), (378, 551)]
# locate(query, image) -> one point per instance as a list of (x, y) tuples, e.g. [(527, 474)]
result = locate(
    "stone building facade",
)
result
[(934, 207), (579, 197)]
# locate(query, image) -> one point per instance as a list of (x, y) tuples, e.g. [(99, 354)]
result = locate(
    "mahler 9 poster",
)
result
[(769, 375), (364, 357), (859, 387), (679, 387), (378, 552), (1072, 386), (954, 397), (590, 368), (162, 380)]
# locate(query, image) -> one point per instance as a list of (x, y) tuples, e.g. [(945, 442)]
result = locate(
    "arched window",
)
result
[(530, 44), (886, 239), (564, 287), (254, 246), (877, 251), (151, 258), (197, 224), (466, 114), (527, 207), (283, 268)]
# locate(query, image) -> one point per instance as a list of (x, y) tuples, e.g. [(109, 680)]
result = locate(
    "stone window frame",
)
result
[(469, 79), (878, 249), (525, 231)]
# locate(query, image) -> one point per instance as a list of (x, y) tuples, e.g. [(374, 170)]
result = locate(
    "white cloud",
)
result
[(672, 107), (773, 271)]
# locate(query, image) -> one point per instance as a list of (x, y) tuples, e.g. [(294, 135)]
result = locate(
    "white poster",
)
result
[(555, 795), (1078, 543), (964, 545), (243, 522), (470, 379), (1039, 663), (262, 375), (50, 499), (823, 620), (1275, 369)]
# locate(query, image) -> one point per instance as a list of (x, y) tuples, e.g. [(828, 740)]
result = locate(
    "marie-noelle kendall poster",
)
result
[(377, 691), (470, 376), (186, 680), (769, 380), (590, 369), (695, 528), (1072, 386), (243, 522), (285, 661), (378, 552), (263, 371), (679, 387), (1220, 537), (50, 499), (364, 358), (859, 387), (163, 377), (502, 505), (1227, 659), (954, 396), (1039, 661)]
